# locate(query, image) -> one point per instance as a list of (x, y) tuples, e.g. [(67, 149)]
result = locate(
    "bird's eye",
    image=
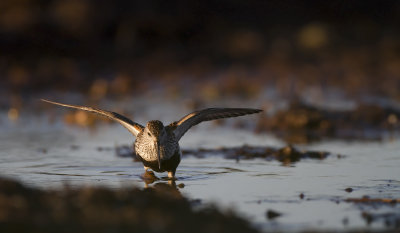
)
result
[(149, 134)]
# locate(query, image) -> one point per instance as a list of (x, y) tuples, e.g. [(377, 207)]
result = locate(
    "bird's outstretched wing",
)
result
[(180, 127), (133, 127)]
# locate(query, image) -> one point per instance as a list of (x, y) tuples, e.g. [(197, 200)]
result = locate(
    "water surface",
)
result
[(50, 155)]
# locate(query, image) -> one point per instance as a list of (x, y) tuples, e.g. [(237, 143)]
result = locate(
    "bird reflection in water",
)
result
[(164, 185)]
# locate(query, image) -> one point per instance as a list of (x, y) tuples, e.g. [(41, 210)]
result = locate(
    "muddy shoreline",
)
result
[(95, 209), (304, 123)]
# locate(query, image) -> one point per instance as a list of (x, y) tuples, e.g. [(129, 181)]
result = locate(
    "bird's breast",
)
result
[(148, 152)]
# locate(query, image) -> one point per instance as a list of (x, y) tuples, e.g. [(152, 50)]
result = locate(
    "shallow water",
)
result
[(50, 155)]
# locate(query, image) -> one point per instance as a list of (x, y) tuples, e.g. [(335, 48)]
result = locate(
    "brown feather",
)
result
[(185, 123), (133, 127)]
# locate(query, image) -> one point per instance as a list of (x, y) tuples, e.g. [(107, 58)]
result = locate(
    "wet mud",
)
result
[(94, 209), (303, 123), (287, 155)]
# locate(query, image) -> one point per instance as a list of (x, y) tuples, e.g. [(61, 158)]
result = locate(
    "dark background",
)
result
[(71, 45)]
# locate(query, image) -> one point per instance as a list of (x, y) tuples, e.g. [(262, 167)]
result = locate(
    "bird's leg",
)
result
[(171, 175)]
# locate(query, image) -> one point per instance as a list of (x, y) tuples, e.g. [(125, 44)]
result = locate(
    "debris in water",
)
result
[(369, 200), (390, 219), (272, 214), (75, 147)]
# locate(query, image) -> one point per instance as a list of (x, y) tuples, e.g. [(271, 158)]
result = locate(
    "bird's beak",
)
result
[(158, 154)]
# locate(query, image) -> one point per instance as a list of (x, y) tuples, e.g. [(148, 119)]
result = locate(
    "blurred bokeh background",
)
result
[(320, 70), (223, 48), (340, 54)]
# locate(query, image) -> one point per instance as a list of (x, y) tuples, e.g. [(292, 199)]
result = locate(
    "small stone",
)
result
[(75, 147), (42, 150), (301, 195), (349, 190), (345, 221)]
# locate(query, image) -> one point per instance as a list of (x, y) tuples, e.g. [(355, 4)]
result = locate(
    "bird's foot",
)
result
[(149, 172), (149, 177)]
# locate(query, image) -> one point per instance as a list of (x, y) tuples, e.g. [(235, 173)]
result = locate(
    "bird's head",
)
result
[(155, 131)]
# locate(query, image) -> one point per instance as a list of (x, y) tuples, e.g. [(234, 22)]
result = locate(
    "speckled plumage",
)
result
[(144, 145), (157, 145)]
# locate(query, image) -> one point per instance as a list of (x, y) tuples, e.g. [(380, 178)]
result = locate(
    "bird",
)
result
[(157, 145)]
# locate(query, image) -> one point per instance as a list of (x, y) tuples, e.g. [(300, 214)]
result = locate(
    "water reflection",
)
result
[(149, 177), (165, 186), (151, 180)]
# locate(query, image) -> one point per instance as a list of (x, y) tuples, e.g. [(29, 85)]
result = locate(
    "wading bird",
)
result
[(157, 145)]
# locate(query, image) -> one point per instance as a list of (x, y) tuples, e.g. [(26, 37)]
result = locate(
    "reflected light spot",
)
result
[(81, 118), (392, 119), (13, 114)]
